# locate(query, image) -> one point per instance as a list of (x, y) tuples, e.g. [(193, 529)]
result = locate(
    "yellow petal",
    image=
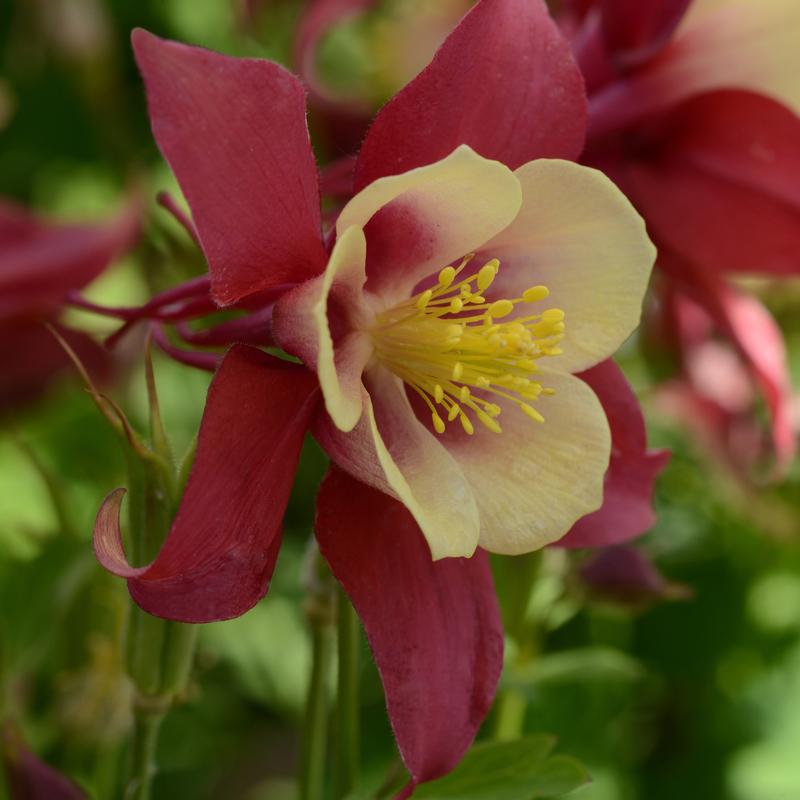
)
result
[(535, 480), (421, 221), (578, 235)]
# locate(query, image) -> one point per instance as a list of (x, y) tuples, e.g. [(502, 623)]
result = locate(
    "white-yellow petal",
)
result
[(303, 322), (579, 236), (420, 221), (535, 480), (420, 472)]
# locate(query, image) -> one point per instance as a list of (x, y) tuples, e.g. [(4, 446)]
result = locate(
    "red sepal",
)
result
[(220, 553), (504, 82), (434, 626), (234, 132), (627, 510)]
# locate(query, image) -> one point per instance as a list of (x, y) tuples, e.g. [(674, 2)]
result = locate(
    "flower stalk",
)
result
[(519, 577), (347, 717), (320, 607), (158, 652)]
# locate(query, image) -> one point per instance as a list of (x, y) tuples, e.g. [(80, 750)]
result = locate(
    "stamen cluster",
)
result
[(446, 344)]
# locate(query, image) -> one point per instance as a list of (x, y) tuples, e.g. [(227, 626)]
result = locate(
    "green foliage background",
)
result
[(698, 698)]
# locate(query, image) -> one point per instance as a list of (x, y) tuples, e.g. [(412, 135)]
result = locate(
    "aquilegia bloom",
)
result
[(440, 324)]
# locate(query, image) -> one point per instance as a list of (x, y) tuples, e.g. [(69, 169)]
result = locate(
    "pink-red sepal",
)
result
[(625, 575), (746, 323), (718, 181), (220, 553), (234, 132), (434, 626), (41, 259), (627, 509), (635, 30), (32, 360), (504, 82)]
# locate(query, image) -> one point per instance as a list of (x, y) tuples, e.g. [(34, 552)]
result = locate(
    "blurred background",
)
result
[(688, 688)]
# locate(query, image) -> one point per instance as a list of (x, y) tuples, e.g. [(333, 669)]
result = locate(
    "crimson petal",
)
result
[(504, 82), (720, 183), (627, 509), (42, 260), (635, 30), (434, 627), (220, 554), (234, 132)]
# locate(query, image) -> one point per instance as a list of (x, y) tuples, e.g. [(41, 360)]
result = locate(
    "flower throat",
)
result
[(445, 343)]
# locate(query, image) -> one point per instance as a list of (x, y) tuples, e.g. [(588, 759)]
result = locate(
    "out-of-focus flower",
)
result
[(719, 356), (41, 261), (411, 314), (28, 777), (626, 575), (693, 113)]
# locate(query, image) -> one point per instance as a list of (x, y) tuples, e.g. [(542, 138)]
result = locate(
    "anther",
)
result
[(446, 277), (424, 299), (531, 412), (501, 308), (535, 294), (487, 273)]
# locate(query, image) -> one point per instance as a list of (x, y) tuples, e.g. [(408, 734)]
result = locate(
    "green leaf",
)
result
[(518, 770)]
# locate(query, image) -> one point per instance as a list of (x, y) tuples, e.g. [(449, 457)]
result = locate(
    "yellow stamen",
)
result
[(445, 342), (446, 277), (535, 294)]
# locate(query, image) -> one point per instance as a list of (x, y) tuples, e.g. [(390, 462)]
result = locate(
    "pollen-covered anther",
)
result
[(446, 344)]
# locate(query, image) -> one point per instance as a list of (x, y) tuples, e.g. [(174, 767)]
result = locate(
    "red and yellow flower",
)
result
[(440, 324)]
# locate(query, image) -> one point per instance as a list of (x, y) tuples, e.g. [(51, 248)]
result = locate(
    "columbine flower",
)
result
[(468, 279), (693, 113), (41, 261), (453, 393)]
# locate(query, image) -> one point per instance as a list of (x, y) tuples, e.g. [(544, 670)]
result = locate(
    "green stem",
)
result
[(510, 719), (143, 755), (347, 722), (55, 489), (518, 577), (312, 775)]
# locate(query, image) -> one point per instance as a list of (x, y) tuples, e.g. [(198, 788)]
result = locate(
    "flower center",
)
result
[(445, 343)]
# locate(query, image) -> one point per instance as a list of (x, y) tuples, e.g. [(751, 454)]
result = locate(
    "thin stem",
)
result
[(518, 576), (347, 722), (312, 775), (510, 719), (143, 763)]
